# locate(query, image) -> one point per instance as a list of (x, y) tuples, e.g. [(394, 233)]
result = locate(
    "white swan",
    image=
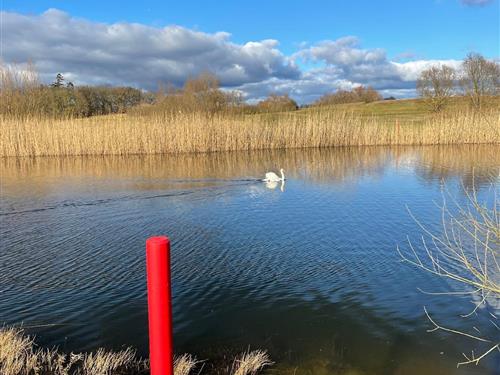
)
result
[(273, 177)]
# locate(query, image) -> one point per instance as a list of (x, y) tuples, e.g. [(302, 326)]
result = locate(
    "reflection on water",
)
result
[(271, 185), (321, 165), (307, 271)]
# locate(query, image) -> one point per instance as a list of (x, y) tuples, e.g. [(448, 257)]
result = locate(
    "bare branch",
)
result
[(466, 251)]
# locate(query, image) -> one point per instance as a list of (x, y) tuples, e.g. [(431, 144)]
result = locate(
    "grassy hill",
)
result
[(403, 110)]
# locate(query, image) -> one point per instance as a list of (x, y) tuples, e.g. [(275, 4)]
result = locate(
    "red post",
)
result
[(159, 305)]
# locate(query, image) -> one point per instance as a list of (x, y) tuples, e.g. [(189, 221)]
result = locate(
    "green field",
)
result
[(403, 110)]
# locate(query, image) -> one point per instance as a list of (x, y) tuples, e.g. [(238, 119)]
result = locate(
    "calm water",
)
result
[(308, 272)]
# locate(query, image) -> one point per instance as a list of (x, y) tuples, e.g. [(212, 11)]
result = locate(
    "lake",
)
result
[(307, 271)]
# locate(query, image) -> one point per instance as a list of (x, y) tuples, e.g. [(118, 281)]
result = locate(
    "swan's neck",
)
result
[(282, 176)]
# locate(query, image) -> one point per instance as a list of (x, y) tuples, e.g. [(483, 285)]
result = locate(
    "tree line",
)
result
[(203, 94), (22, 94), (477, 79)]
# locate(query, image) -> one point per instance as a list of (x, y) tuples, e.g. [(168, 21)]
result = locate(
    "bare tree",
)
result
[(480, 79), (277, 103), (205, 82), (436, 86), (467, 252), (366, 94)]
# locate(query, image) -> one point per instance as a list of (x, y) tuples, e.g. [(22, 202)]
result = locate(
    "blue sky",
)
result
[(406, 31)]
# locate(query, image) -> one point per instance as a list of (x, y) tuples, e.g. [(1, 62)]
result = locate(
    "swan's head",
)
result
[(282, 170)]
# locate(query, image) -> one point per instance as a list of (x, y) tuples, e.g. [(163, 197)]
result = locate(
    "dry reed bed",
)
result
[(20, 356), (158, 134)]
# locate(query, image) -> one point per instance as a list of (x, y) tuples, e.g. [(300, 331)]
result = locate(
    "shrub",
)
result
[(200, 94), (22, 94), (277, 103), (358, 94)]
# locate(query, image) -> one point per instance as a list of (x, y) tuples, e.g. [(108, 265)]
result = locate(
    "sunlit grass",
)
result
[(19, 355), (250, 363), (197, 132)]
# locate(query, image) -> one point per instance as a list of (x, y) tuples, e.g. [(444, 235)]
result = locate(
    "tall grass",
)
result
[(250, 363), (196, 132)]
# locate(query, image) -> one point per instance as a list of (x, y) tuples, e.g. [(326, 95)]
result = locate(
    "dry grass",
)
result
[(15, 353), (184, 364), (250, 363), (106, 362), (19, 355), (195, 132)]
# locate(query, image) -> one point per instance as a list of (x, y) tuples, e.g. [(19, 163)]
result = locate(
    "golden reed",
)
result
[(197, 132)]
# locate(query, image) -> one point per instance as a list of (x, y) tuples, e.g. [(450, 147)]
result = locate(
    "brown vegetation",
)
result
[(359, 94), (199, 95), (22, 95), (47, 120), (250, 363), (19, 355), (277, 103), (196, 132)]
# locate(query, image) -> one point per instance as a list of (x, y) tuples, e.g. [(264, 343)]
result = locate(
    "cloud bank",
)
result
[(138, 55)]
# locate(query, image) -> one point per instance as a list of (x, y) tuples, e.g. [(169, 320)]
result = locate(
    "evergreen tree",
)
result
[(59, 82)]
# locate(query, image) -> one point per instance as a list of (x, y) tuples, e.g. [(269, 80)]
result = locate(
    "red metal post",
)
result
[(159, 305)]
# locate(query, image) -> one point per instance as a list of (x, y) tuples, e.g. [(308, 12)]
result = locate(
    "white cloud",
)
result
[(343, 51), (88, 52), (136, 54), (346, 61), (409, 71)]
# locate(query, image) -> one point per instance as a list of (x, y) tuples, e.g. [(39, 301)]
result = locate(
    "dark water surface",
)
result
[(310, 273)]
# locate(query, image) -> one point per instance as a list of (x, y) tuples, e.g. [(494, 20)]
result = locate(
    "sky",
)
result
[(303, 48)]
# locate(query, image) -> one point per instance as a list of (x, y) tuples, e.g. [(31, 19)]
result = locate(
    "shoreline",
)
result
[(19, 354)]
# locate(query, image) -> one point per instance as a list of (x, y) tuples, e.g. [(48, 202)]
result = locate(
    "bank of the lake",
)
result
[(20, 355)]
